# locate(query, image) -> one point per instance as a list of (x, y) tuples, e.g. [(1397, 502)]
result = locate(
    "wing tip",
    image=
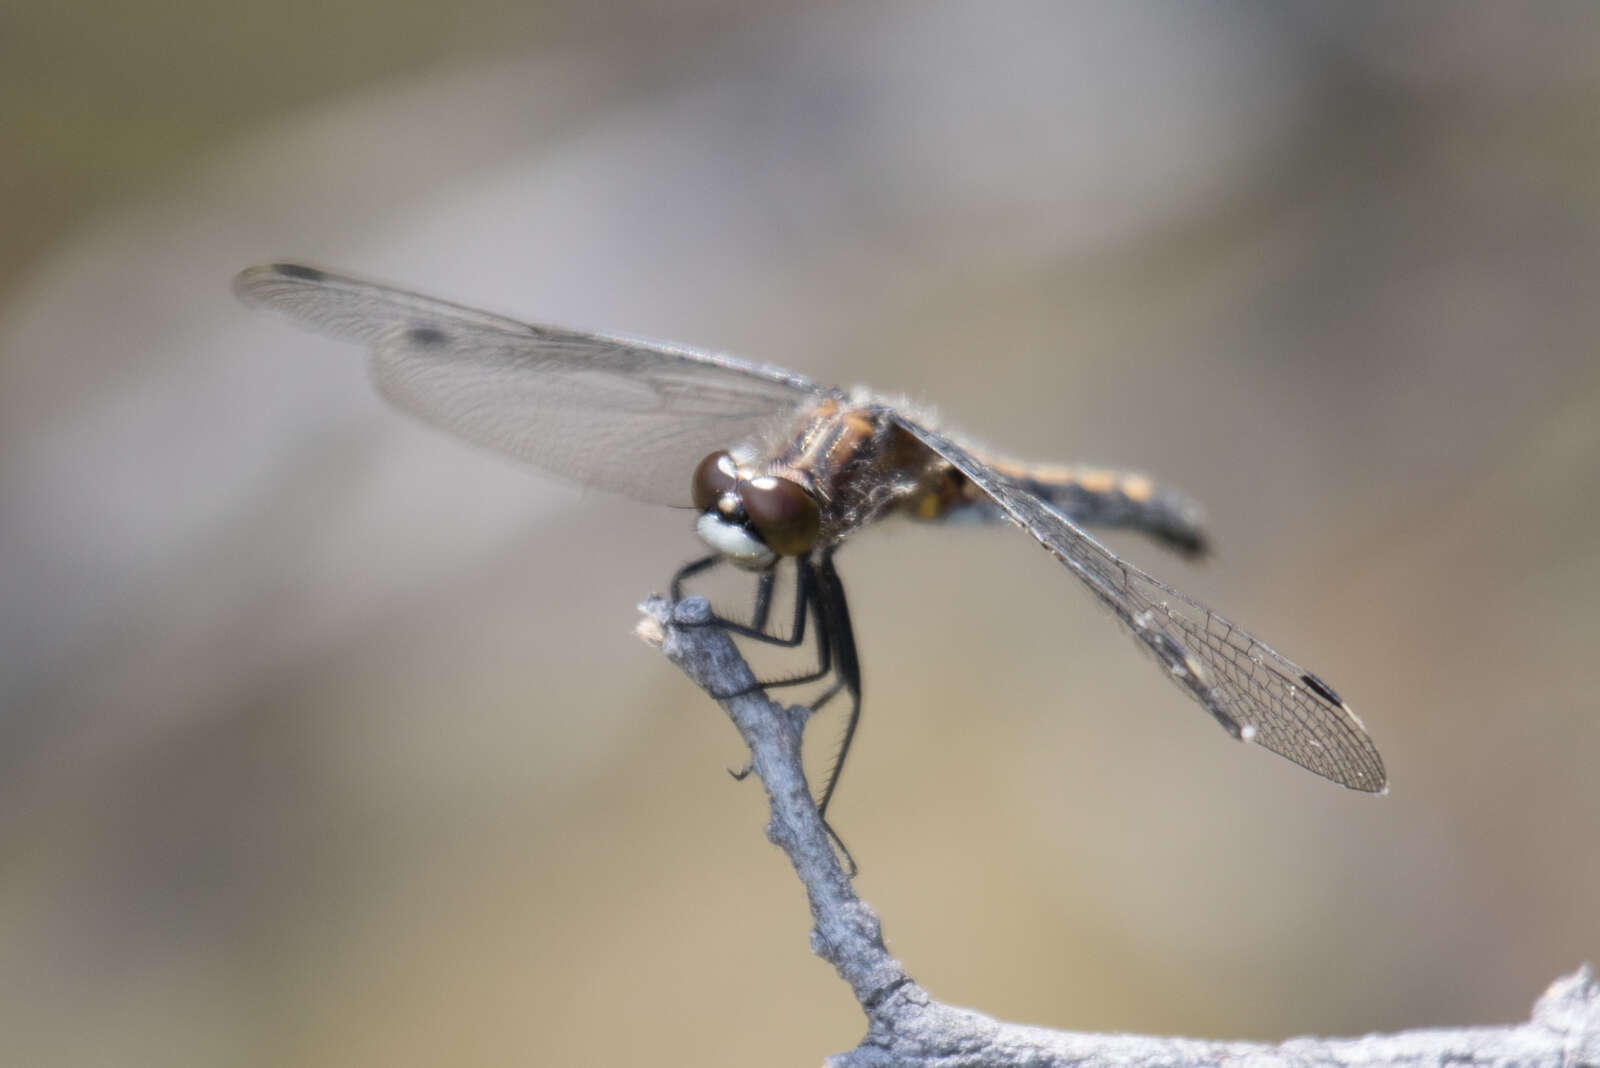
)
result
[(1369, 778)]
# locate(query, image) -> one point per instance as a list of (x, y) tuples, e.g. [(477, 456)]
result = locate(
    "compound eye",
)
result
[(715, 476), (783, 513)]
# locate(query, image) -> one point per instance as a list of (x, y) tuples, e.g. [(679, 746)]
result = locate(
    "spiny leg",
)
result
[(756, 628), (819, 589), (691, 569), (805, 603), (758, 616), (833, 618), (819, 592)]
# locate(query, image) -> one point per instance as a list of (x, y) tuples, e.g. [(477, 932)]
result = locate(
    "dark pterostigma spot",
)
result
[(427, 337), (294, 270), (1320, 688)]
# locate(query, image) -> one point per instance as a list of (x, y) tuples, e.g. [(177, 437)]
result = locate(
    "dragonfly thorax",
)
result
[(753, 520)]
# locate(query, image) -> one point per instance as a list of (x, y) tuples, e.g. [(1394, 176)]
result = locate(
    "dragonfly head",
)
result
[(752, 521)]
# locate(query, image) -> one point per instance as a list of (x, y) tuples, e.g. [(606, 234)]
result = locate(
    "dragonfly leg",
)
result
[(756, 628), (805, 604), (833, 619), (691, 569), (818, 593)]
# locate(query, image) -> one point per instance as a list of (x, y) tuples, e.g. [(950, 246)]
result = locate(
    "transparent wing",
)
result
[(1256, 694), (628, 416)]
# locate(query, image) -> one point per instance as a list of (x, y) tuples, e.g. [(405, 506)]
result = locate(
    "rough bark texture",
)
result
[(907, 1027)]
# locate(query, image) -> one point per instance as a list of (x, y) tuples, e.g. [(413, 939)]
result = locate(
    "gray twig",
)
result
[(906, 1027)]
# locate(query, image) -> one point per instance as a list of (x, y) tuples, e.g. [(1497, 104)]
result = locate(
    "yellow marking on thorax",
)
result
[(829, 437)]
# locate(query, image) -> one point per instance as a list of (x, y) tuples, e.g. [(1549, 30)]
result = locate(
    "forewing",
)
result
[(1255, 693), (629, 416)]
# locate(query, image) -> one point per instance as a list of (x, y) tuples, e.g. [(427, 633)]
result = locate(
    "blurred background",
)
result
[(326, 739)]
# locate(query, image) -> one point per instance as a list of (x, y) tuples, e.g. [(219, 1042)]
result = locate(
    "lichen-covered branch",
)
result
[(906, 1027)]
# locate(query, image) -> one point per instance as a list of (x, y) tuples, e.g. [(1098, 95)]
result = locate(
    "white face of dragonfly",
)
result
[(752, 522)]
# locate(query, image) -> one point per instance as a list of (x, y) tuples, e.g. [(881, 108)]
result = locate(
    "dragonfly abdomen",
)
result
[(1089, 496)]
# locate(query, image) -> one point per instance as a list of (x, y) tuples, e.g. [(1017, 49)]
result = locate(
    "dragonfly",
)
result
[(778, 469)]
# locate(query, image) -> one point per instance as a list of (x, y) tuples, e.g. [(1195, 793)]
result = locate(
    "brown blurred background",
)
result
[(326, 741)]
